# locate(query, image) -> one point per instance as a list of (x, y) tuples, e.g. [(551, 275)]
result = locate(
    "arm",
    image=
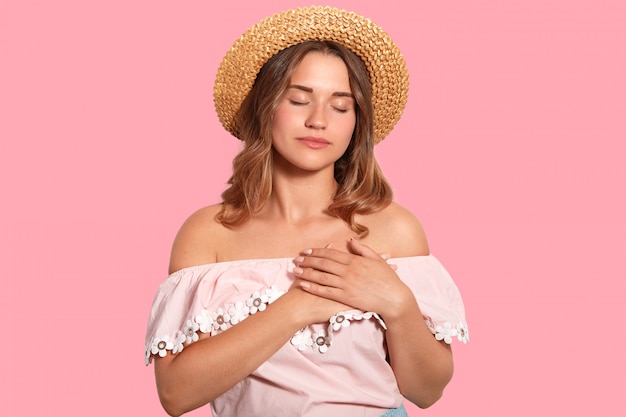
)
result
[(422, 365), (212, 365), (209, 367)]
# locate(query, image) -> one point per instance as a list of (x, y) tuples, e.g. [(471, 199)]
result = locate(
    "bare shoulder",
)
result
[(397, 231), (196, 241)]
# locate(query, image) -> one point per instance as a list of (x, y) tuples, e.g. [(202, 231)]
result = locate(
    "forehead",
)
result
[(321, 69)]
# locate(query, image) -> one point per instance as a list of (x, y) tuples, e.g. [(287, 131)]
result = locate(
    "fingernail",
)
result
[(299, 259), (305, 285), (307, 251), (297, 270), (330, 245)]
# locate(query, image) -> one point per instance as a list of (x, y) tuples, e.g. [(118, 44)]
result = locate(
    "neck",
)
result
[(299, 198)]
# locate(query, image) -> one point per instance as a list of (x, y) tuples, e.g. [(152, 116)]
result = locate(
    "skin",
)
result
[(318, 110), (335, 271)]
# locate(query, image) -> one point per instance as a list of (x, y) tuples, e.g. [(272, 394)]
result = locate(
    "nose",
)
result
[(316, 118)]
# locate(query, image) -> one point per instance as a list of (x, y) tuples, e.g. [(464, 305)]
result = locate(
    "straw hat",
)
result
[(382, 58)]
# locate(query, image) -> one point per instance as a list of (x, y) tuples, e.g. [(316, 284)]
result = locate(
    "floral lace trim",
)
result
[(321, 340), (223, 318), (211, 322), (447, 332)]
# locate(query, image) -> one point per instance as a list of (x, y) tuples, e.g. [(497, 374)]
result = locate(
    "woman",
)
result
[(307, 291)]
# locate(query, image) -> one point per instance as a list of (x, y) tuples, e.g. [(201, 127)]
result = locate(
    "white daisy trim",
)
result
[(212, 322), (322, 340), (222, 318), (447, 332)]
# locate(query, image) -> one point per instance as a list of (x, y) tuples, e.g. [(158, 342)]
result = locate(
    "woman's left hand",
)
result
[(361, 279)]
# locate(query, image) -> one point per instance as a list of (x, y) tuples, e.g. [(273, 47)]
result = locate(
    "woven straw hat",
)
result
[(382, 58)]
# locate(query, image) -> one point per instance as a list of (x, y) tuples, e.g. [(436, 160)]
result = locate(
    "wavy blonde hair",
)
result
[(362, 188)]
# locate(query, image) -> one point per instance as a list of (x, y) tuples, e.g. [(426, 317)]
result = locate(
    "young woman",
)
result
[(307, 291)]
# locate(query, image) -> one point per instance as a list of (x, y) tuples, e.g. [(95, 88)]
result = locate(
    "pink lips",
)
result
[(314, 143)]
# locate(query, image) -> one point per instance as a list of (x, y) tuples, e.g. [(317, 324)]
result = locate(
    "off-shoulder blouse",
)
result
[(333, 368)]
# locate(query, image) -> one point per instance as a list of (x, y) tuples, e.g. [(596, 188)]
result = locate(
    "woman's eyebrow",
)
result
[(310, 90)]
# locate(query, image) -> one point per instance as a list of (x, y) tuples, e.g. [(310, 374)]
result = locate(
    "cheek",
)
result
[(281, 118), (277, 120), (347, 126)]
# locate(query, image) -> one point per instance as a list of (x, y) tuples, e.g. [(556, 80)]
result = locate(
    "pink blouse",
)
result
[(336, 368)]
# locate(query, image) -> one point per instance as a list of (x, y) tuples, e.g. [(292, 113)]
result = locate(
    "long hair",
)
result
[(362, 188)]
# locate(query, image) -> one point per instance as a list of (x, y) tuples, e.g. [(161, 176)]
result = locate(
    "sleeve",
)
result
[(437, 295), (172, 306), (207, 299)]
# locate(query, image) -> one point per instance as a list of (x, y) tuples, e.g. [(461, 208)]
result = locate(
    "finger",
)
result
[(317, 276), (321, 290), (367, 252), (386, 257), (328, 252), (361, 249)]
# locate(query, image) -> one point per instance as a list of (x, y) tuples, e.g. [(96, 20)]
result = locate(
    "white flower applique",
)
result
[(339, 321), (160, 346), (445, 332), (462, 332), (430, 325), (238, 312), (368, 315), (220, 320), (274, 293), (204, 321), (178, 342), (190, 331), (321, 341), (302, 339), (148, 354), (258, 302)]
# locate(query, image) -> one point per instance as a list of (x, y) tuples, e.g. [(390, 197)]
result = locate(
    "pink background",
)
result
[(510, 151)]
